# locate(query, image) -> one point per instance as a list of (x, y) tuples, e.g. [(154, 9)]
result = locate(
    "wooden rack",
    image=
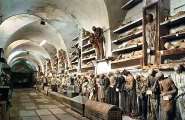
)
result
[(129, 48), (174, 22), (130, 4), (126, 33), (135, 61), (72, 70), (173, 37), (87, 52), (89, 59), (125, 60), (75, 62), (129, 26), (75, 45), (169, 54), (76, 39), (74, 56), (128, 37)]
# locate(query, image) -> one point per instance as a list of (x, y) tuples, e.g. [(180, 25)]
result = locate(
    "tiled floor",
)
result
[(29, 105)]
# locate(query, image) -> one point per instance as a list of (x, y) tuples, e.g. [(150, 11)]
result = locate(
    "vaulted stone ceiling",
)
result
[(21, 30)]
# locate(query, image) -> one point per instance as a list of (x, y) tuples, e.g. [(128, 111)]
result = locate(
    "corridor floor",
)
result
[(27, 104), (30, 105)]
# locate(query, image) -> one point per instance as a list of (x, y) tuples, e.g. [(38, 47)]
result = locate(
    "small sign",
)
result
[(149, 92), (167, 97), (103, 67)]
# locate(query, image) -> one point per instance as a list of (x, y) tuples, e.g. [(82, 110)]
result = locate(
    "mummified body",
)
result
[(97, 40), (130, 87), (141, 87), (168, 92), (153, 94), (150, 38)]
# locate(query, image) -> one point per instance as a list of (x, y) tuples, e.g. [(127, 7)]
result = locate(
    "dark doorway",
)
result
[(23, 80)]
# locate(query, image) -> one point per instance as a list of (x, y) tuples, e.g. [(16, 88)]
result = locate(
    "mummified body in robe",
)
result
[(120, 89), (153, 94), (150, 38), (168, 93), (111, 91), (97, 40), (130, 87), (141, 87)]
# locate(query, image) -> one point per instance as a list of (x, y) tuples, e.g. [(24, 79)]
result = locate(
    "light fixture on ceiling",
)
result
[(42, 43), (43, 21)]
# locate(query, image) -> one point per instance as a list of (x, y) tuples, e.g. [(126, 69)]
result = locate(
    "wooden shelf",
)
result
[(130, 4), (86, 38), (127, 38), (73, 69), (130, 48), (173, 37), (88, 67), (170, 65), (76, 62), (75, 45), (75, 39), (89, 59), (127, 68), (174, 22), (128, 26), (126, 60), (87, 45), (73, 53), (137, 61), (75, 58), (173, 52), (88, 51)]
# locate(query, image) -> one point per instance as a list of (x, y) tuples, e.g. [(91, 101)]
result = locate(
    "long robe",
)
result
[(168, 87), (153, 99), (130, 86), (141, 86), (120, 86)]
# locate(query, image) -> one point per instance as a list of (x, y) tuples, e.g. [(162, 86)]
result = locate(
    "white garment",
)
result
[(44, 81), (53, 81), (85, 87)]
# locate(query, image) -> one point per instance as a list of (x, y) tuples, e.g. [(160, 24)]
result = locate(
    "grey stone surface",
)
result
[(30, 107), (43, 112), (28, 104), (65, 116), (57, 111), (35, 110), (33, 94), (27, 113), (47, 106), (30, 118), (50, 117), (42, 100)]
